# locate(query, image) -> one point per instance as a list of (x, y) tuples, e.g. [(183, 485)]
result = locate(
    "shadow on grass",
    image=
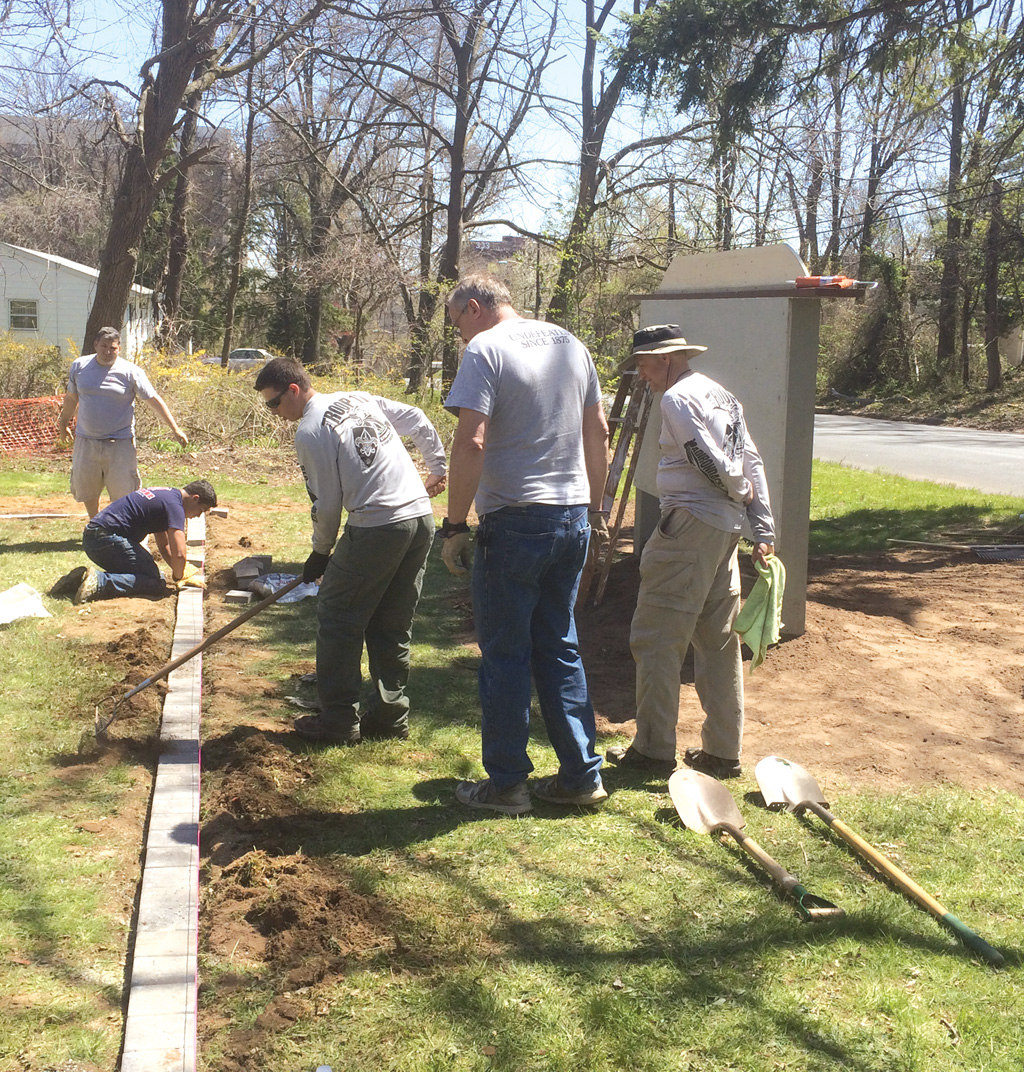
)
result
[(700, 969), (862, 531), (628, 976), (40, 547)]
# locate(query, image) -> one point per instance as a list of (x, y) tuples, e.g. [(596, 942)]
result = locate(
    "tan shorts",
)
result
[(103, 463)]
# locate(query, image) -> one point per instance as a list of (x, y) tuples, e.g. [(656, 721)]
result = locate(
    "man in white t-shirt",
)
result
[(532, 448), (350, 449), (102, 388), (711, 482)]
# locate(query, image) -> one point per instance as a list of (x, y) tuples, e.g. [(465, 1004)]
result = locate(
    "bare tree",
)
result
[(208, 41)]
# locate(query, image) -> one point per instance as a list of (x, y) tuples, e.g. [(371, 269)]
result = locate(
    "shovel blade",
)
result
[(786, 784), (703, 803)]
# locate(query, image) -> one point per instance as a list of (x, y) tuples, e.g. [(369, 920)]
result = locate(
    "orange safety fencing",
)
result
[(29, 426)]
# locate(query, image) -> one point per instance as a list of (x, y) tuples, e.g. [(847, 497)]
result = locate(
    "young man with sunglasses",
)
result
[(350, 450)]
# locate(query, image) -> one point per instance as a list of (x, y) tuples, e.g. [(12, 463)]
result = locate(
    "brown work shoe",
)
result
[(631, 759), (551, 789), (706, 763), (68, 584), (88, 588)]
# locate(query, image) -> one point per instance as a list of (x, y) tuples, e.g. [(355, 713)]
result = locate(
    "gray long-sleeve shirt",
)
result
[(709, 464), (352, 457)]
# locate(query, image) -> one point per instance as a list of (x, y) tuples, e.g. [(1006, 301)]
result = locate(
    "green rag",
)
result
[(759, 621)]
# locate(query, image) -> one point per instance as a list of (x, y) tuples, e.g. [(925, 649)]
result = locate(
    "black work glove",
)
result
[(314, 568)]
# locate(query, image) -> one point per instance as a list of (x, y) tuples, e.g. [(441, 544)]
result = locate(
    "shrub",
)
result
[(30, 369), (217, 407)]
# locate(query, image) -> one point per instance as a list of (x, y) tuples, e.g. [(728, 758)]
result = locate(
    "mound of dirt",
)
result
[(295, 915)]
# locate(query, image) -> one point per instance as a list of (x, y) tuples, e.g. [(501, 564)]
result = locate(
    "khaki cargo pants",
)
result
[(689, 592)]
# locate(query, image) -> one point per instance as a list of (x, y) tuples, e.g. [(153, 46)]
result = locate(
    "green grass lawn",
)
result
[(855, 510), (576, 941)]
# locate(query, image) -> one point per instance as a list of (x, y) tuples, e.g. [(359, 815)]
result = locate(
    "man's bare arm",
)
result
[(159, 407), (175, 553), (67, 410), (467, 463), (595, 453)]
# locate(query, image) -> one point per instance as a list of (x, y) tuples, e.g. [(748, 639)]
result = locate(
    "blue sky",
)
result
[(110, 39)]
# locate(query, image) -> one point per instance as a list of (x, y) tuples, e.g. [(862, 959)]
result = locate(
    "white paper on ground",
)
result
[(21, 601)]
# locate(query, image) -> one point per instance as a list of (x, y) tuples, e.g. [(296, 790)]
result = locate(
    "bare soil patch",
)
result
[(910, 672)]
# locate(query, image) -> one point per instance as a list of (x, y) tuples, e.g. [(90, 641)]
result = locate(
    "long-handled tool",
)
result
[(705, 805), (102, 725), (788, 785)]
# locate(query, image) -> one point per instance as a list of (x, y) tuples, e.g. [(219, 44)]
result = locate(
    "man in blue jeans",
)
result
[(531, 448), (113, 540)]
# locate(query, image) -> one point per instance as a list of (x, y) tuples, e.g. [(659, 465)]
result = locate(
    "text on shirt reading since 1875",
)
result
[(541, 337)]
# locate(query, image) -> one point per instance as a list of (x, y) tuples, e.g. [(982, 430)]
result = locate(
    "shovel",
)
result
[(705, 805), (102, 725), (788, 785)]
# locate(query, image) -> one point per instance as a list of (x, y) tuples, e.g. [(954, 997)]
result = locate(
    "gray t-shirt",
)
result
[(106, 396), (533, 381)]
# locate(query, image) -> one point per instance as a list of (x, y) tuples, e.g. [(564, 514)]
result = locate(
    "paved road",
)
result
[(965, 457)]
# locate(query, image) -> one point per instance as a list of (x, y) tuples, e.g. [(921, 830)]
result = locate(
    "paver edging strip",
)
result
[(160, 1025)]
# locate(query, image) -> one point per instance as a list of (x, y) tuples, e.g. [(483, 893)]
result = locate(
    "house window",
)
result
[(24, 314)]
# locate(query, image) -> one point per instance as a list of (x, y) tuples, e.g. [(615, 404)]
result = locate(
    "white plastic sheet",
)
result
[(271, 582), (21, 601)]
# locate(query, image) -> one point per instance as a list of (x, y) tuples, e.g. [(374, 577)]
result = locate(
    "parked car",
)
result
[(246, 358)]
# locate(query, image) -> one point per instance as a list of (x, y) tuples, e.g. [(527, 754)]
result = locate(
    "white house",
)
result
[(48, 298)]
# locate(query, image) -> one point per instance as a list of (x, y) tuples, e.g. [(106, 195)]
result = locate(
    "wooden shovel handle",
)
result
[(908, 885), (782, 877)]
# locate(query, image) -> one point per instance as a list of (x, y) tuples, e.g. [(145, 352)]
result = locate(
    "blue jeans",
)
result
[(126, 567), (526, 571)]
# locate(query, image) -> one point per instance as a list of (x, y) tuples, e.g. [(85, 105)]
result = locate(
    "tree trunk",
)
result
[(241, 226), (832, 249), (597, 110), (133, 204), (867, 227), (178, 234), (419, 351), (993, 367), (966, 312), (448, 266), (949, 285), (161, 98), (312, 319)]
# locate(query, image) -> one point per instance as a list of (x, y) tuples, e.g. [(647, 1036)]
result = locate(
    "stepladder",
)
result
[(627, 420)]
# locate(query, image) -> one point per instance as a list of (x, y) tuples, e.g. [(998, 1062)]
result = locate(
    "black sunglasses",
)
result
[(273, 403)]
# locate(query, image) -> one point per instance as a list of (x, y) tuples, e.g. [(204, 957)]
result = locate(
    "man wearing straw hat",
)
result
[(711, 481)]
